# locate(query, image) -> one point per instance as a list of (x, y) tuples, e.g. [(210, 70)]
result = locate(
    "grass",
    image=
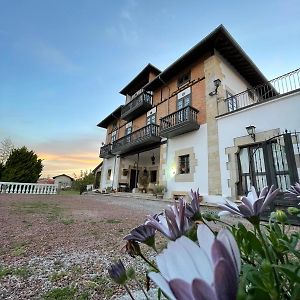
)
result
[(19, 249), (66, 293), (51, 210), (20, 272), (57, 276), (69, 192), (112, 221), (67, 221)]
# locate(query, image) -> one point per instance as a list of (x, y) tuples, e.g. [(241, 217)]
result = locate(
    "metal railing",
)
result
[(277, 87), (186, 114), (137, 136), (144, 97), (105, 151)]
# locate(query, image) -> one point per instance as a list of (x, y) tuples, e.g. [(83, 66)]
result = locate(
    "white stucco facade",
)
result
[(197, 142), (63, 181), (276, 115)]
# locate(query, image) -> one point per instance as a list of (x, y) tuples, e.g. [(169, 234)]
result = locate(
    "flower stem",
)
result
[(140, 286), (128, 291), (257, 227), (148, 262)]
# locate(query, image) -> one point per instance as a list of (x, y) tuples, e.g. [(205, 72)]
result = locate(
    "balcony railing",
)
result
[(275, 88), (105, 151), (182, 121), (137, 106), (138, 139)]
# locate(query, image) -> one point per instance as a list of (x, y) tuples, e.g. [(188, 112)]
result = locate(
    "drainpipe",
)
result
[(136, 171), (168, 89), (112, 184)]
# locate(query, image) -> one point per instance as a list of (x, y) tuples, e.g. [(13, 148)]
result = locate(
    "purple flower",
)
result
[(142, 234), (293, 193), (173, 223), (210, 271), (193, 209), (252, 205), (117, 272)]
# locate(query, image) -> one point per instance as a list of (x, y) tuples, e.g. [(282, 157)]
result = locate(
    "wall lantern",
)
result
[(153, 159), (251, 131), (217, 83)]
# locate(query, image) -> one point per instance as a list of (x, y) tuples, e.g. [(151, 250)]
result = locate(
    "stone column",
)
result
[(213, 71)]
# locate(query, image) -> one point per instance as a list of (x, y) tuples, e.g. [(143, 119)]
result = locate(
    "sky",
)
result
[(63, 62)]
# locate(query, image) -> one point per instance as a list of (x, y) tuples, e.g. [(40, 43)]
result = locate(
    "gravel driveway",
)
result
[(61, 245)]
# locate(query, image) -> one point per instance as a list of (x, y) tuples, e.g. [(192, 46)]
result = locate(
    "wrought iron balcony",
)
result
[(182, 121), (137, 106), (105, 151), (136, 140), (278, 87)]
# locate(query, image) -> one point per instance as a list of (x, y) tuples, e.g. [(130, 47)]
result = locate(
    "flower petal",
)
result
[(181, 289), (248, 203), (245, 211), (226, 282), (230, 209), (202, 291), (226, 237), (184, 259), (269, 198), (162, 283), (205, 238)]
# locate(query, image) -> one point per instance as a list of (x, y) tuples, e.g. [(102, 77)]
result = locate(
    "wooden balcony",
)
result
[(138, 139), (137, 106), (105, 151), (179, 122)]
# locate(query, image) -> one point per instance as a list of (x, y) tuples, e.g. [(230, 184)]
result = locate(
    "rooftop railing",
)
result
[(274, 88)]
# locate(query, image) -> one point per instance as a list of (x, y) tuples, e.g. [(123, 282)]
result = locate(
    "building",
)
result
[(97, 174), (186, 127), (63, 180)]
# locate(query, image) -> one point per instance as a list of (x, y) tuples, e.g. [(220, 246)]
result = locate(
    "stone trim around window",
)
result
[(193, 163)]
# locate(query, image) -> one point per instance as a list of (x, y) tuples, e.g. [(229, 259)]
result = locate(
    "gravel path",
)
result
[(59, 247)]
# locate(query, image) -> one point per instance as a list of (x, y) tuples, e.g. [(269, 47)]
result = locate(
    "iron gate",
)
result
[(274, 161)]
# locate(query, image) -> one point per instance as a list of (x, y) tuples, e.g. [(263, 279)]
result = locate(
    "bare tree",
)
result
[(5, 150)]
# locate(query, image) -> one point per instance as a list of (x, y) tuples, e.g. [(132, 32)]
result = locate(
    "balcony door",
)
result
[(183, 100)]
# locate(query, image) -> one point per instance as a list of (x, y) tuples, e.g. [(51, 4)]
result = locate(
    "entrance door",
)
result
[(182, 103), (134, 175), (270, 162)]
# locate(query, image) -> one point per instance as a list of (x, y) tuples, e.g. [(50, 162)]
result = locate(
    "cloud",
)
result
[(69, 155), (46, 53), (125, 26)]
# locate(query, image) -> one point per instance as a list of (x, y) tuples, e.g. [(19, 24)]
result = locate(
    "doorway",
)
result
[(134, 175)]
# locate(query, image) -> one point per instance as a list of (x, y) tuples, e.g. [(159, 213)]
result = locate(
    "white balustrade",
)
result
[(28, 188)]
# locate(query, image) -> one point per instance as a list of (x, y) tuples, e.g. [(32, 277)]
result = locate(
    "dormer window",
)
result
[(184, 78)]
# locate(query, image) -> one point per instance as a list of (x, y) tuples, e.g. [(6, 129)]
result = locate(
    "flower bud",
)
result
[(293, 211), (280, 216), (117, 272)]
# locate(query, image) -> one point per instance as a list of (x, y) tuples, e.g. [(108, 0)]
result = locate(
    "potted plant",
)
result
[(159, 191), (144, 181)]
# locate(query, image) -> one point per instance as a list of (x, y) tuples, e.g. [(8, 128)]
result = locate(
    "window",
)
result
[(184, 78), (108, 174), (153, 176), (125, 172), (151, 119), (128, 131), (232, 102), (114, 125), (184, 164), (114, 136)]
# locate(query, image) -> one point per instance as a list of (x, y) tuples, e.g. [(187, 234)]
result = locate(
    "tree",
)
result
[(85, 179), (22, 165), (5, 150)]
